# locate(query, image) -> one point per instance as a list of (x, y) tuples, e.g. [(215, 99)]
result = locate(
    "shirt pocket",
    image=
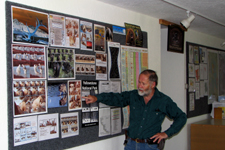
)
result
[(157, 114)]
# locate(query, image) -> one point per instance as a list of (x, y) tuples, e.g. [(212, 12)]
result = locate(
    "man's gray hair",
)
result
[(152, 75)]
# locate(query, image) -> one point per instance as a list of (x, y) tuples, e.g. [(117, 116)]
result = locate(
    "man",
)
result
[(148, 108)]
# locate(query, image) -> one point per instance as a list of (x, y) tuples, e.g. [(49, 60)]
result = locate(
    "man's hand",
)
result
[(159, 136), (90, 99)]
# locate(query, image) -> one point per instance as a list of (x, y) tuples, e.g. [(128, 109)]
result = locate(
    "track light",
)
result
[(186, 22), (222, 44)]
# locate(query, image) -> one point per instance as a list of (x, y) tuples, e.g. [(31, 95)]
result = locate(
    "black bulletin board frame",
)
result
[(201, 105), (86, 135)]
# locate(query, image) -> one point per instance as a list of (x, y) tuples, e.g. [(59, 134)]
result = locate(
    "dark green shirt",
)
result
[(146, 119)]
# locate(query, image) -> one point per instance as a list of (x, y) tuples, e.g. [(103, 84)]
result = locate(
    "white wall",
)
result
[(173, 79), (168, 76)]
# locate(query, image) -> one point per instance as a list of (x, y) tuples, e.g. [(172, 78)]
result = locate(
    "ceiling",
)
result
[(209, 14)]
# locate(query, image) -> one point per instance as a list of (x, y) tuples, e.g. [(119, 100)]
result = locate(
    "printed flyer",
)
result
[(89, 111), (69, 124), (48, 126), (25, 130)]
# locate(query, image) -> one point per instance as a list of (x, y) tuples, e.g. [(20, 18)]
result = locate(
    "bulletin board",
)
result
[(86, 135), (205, 76)]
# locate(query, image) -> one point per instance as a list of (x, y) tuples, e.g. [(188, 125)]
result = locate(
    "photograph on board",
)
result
[(29, 97), (69, 124), (99, 38), (72, 33), (86, 38), (57, 94), (82, 58), (29, 26), (28, 61), (74, 95), (61, 63), (101, 66)]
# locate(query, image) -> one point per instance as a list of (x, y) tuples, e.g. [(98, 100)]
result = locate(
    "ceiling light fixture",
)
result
[(187, 22), (222, 44)]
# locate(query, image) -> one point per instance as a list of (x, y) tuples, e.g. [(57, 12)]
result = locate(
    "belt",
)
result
[(149, 141)]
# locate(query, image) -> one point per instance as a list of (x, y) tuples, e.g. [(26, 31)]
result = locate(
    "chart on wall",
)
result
[(133, 61)]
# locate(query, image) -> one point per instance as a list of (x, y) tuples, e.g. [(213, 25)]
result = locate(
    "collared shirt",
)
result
[(146, 119)]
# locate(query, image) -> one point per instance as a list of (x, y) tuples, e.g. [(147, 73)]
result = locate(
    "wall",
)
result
[(173, 79)]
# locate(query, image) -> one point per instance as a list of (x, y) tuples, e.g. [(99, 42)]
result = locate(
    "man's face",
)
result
[(144, 85)]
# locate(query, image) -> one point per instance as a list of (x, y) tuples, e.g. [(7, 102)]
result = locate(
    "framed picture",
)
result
[(175, 39)]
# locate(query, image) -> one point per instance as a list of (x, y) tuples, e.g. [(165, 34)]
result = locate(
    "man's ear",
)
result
[(153, 85)]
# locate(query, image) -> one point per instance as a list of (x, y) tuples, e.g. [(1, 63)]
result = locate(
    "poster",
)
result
[(126, 115), (134, 36), (191, 101), (109, 33), (191, 70), (74, 95), (109, 86), (85, 64), (197, 73), (29, 97), (61, 63), (57, 30), (191, 54), (25, 130), (72, 32), (99, 38), (203, 54), (196, 55), (57, 94), (101, 66), (29, 26), (69, 124), (85, 69), (191, 85), (104, 122), (86, 39), (89, 111), (48, 126), (119, 30), (28, 61), (115, 121), (82, 58), (114, 58), (133, 61)]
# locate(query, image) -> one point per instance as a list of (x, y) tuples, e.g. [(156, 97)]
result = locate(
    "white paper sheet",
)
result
[(115, 120), (25, 130), (48, 126), (104, 122), (69, 124)]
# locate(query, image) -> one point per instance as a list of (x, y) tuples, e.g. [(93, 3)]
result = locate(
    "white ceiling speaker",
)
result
[(187, 22)]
